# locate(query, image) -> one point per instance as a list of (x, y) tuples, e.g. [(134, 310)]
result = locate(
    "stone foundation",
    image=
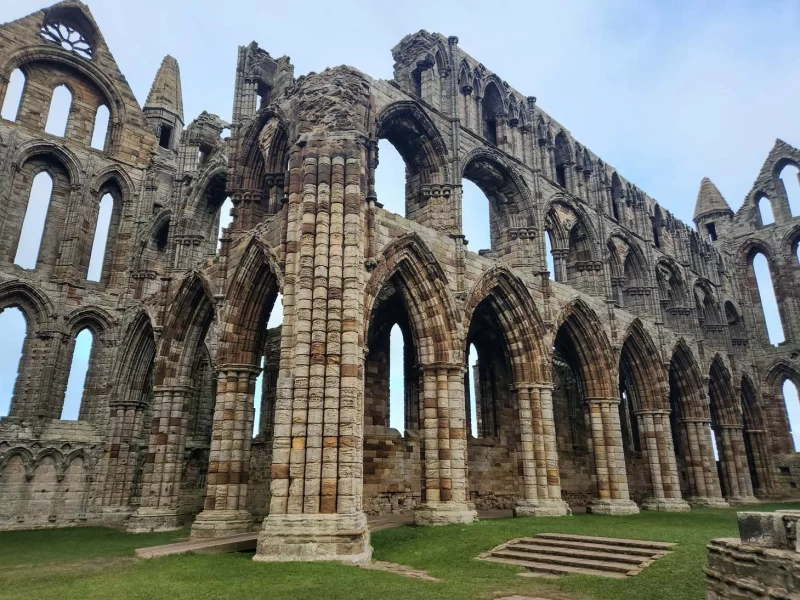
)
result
[(612, 507), (444, 514)]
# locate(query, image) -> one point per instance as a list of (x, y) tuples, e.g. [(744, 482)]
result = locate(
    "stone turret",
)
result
[(711, 212), (164, 105)]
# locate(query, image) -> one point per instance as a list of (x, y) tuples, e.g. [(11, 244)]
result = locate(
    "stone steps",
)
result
[(557, 553), (233, 543)]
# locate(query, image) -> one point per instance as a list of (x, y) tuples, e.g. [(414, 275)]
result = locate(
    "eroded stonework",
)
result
[(599, 390)]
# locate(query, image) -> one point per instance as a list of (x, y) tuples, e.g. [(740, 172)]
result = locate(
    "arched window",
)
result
[(30, 238), (225, 219), (100, 128), (100, 242), (476, 216), (77, 376), (162, 236), (58, 115), (616, 195), (390, 178), (790, 176), (548, 249), (397, 380), (257, 395), (790, 397), (765, 210), (493, 111), (14, 328), (563, 158), (13, 99), (472, 370), (766, 293)]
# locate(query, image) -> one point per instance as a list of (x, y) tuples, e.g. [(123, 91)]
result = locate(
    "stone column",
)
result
[(763, 468), (443, 429), (612, 479), (733, 460), (317, 467), (162, 473), (539, 468), (225, 507), (125, 427), (659, 455), (704, 490)]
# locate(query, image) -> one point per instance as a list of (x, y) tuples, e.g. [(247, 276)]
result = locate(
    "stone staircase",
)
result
[(562, 554)]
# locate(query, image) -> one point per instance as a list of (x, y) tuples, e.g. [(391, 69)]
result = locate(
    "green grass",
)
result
[(89, 563)]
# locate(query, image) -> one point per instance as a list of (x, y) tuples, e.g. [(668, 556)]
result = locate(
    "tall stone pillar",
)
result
[(125, 428), (541, 489), (765, 487), (659, 456), (733, 460), (162, 473), (704, 490), (317, 467), (444, 437), (612, 479), (225, 507)]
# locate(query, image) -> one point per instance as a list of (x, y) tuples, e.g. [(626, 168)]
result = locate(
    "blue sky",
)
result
[(666, 92)]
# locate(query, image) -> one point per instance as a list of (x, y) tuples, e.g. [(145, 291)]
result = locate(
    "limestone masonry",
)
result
[(600, 390)]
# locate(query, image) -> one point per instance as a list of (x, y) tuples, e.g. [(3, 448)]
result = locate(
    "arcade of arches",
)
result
[(209, 327)]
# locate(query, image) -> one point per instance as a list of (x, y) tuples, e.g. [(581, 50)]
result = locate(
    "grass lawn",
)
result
[(89, 563)]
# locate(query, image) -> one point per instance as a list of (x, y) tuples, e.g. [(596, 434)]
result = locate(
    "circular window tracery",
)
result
[(68, 38)]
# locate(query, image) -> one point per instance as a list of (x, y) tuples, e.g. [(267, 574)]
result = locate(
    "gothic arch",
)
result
[(118, 176), (97, 320), (24, 454), (561, 224), (643, 370), (419, 278), (35, 305), (249, 301), (686, 384), (521, 324), (59, 152), (725, 409), (409, 129), (251, 169), (591, 347)]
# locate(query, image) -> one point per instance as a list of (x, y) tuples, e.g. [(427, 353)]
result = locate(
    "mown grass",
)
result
[(93, 563)]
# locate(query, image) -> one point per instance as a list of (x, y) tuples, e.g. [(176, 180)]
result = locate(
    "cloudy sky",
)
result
[(666, 92)]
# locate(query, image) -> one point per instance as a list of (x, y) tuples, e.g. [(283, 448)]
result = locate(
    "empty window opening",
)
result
[(58, 115), (711, 229), (100, 243), (472, 389), (490, 131), (397, 380), (257, 397), (548, 245), (165, 137), (162, 237), (714, 448), (30, 238), (790, 397), (76, 385), (13, 99), (100, 128), (765, 210), (476, 219), (769, 305), (561, 176), (203, 154), (390, 178), (225, 220), (14, 328), (630, 427), (790, 176)]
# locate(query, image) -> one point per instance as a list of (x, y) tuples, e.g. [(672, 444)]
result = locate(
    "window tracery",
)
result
[(68, 38)]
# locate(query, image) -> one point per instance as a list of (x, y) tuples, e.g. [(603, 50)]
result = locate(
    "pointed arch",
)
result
[(248, 303), (590, 346), (414, 271), (725, 410), (35, 304), (135, 365), (687, 393), (642, 369), (522, 326)]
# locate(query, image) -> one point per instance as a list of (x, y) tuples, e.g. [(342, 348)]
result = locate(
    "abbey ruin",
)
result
[(600, 386)]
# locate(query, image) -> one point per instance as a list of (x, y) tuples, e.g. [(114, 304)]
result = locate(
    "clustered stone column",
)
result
[(659, 455), (541, 490), (225, 507), (733, 459), (126, 423), (162, 472), (701, 468), (443, 429), (609, 460)]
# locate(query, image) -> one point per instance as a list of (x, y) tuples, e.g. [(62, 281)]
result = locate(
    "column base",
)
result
[(600, 506), (220, 523), (666, 504), (307, 537), (707, 502), (541, 508), (444, 513), (148, 520), (742, 500)]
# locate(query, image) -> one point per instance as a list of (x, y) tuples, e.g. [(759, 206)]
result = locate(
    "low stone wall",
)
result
[(763, 563)]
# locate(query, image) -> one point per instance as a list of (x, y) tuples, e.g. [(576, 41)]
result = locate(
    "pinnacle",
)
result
[(709, 200), (166, 89)]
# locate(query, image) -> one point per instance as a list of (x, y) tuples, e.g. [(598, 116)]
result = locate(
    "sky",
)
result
[(667, 93)]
